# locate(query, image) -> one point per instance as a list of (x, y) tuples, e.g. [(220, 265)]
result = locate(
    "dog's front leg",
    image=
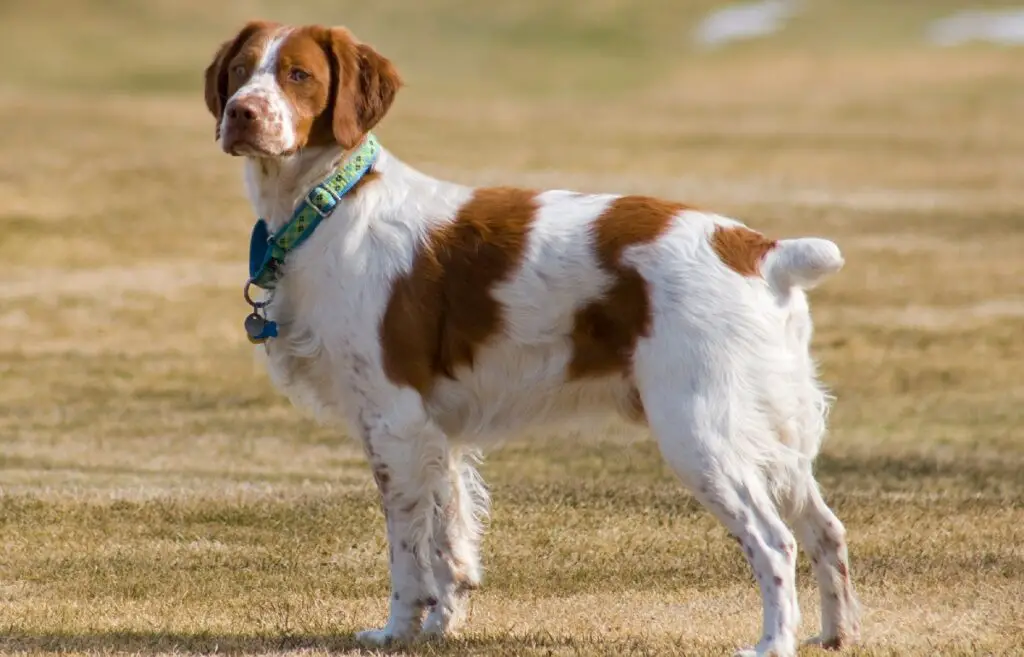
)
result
[(458, 529), (410, 465)]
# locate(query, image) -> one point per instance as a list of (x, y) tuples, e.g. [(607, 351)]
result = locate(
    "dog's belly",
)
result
[(512, 386)]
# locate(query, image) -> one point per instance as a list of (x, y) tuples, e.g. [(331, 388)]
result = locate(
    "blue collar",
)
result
[(267, 252)]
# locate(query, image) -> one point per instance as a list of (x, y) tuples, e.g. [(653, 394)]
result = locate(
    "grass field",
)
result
[(159, 497)]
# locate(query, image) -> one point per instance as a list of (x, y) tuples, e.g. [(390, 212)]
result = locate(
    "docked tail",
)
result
[(802, 263)]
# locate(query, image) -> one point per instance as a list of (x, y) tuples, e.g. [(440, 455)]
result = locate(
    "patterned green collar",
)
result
[(267, 252)]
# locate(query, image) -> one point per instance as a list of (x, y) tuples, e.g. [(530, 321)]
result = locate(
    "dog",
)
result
[(434, 319)]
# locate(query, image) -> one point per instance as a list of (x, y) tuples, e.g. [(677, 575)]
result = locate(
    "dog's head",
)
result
[(275, 89)]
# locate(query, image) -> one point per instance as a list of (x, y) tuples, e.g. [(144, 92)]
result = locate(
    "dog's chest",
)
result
[(328, 350)]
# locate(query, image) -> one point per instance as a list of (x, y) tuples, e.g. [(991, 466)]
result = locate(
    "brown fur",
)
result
[(309, 49), (363, 85), (605, 331), (442, 311), (741, 249)]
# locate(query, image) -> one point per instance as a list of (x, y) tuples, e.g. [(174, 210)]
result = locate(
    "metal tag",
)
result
[(255, 327)]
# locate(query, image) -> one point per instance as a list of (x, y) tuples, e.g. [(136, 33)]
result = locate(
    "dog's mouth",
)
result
[(245, 148), (249, 143)]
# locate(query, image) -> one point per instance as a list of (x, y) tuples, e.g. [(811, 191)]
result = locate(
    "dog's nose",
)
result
[(245, 111)]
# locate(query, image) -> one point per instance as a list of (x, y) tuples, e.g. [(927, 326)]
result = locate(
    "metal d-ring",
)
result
[(248, 299)]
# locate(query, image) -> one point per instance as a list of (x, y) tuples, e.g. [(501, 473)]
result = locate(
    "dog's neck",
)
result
[(275, 185)]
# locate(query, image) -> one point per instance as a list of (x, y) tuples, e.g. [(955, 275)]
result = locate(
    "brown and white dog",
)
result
[(435, 318)]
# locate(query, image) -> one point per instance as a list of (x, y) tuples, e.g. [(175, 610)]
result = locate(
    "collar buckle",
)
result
[(317, 193)]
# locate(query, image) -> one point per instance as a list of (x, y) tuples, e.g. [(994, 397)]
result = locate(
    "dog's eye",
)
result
[(239, 70), (298, 75)]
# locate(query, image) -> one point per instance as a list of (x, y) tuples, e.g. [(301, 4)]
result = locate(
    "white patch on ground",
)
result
[(80, 303), (165, 279), (710, 191), (928, 317), (1005, 27), (907, 243), (61, 485), (747, 20)]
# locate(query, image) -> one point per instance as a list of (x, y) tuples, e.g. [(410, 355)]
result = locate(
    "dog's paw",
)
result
[(435, 625), (771, 649), (832, 643), (379, 637), (445, 619)]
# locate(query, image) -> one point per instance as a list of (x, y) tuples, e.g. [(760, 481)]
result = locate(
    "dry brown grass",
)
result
[(159, 497)]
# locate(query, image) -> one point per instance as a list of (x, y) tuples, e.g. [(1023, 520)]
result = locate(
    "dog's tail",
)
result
[(784, 264), (802, 263)]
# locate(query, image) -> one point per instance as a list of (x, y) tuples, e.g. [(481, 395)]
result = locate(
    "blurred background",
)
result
[(158, 495)]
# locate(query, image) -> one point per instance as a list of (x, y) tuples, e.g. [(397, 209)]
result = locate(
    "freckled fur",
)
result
[(434, 319)]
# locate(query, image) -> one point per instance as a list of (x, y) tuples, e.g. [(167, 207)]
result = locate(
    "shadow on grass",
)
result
[(151, 643), (140, 642)]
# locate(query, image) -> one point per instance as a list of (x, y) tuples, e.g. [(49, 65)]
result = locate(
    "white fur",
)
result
[(725, 375), (801, 263)]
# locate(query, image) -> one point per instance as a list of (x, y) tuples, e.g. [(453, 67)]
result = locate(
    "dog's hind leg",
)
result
[(458, 529), (707, 441), (823, 536)]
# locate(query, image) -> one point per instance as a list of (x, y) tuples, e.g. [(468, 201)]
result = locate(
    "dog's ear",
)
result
[(216, 86), (363, 86), (378, 83)]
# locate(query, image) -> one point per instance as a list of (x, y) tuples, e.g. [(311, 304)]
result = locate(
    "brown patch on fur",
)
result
[(741, 249), (443, 310), (605, 331), (361, 87), (312, 50), (349, 87), (843, 570)]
